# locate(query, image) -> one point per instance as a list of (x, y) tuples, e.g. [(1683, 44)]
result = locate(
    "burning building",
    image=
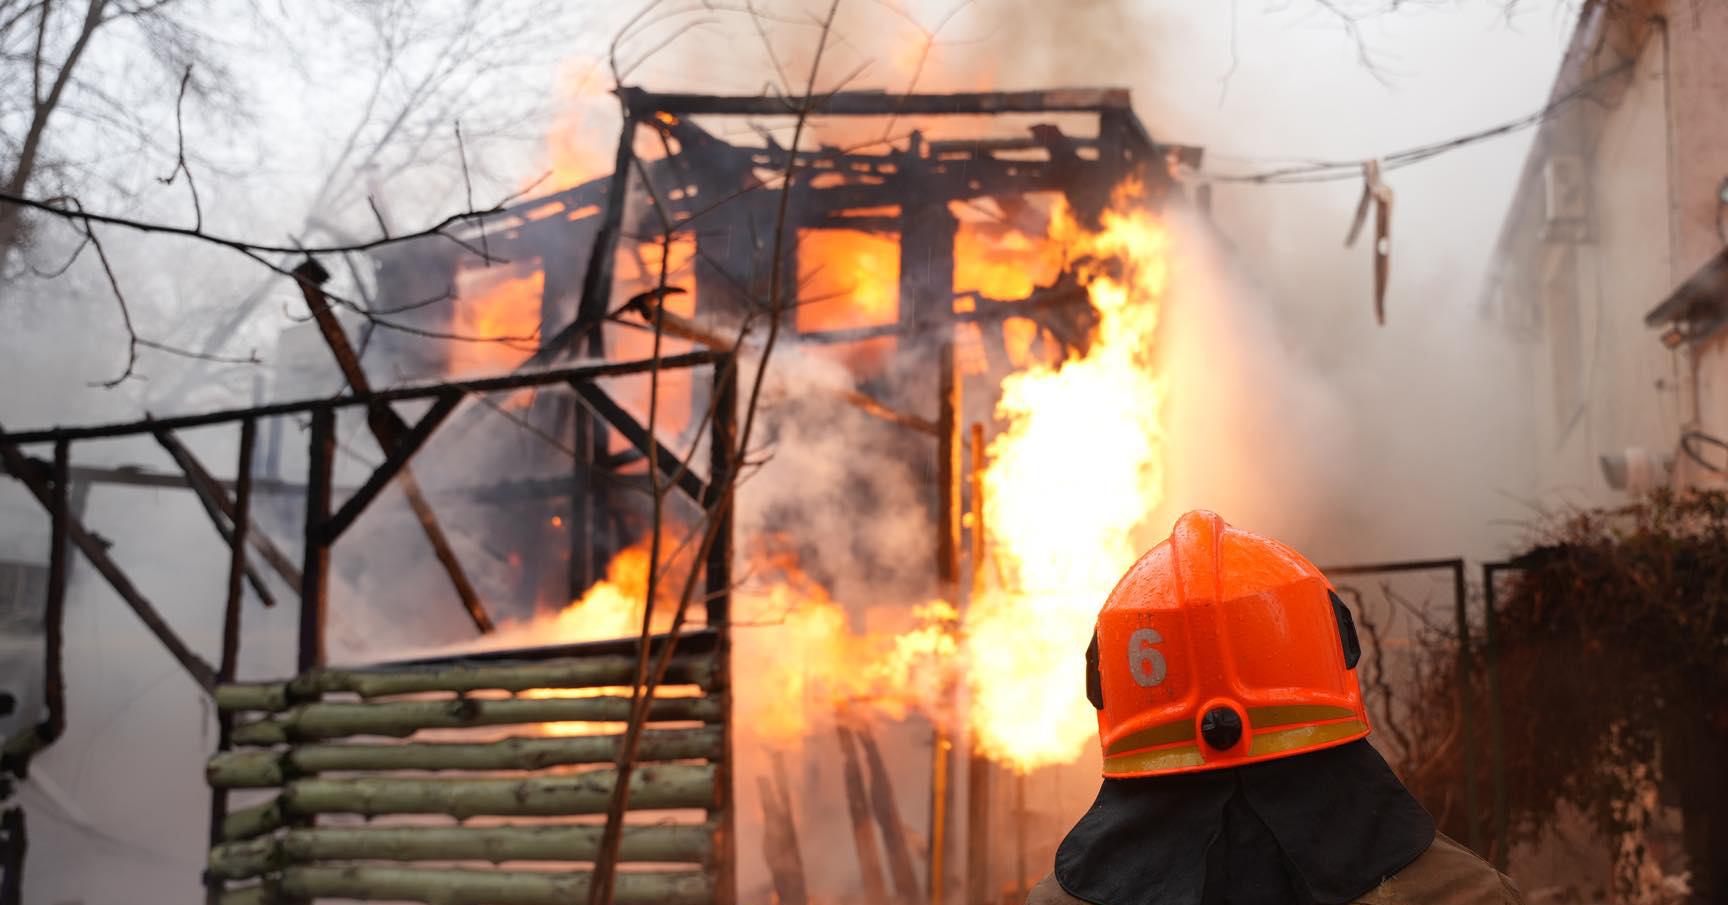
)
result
[(868, 426)]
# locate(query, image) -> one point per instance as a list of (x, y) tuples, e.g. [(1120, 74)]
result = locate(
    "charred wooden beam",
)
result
[(1042, 302), (490, 886), (869, 405), (389, 430), (315, 570), (640, 437), (724, 456), (266, 768), (407, 445), (211, 497), (497, 844), (197, 475), (878, 103), (332, 719), (96, 550), (512, 381), (662, 786), (15, 759), (888, 818), (780, 837), (948, 477), (979, 888), (858, 808)]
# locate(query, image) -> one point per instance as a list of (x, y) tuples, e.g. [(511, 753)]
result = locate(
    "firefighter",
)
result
[(1236, 763)]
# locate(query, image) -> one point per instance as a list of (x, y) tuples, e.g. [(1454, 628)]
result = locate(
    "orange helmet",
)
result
[(1221, 648)]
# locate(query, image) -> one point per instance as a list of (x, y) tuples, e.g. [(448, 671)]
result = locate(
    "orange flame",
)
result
[(1077, 469), (498, 313)]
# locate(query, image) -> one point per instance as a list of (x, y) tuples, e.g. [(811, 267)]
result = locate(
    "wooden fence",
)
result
[(474, 781)]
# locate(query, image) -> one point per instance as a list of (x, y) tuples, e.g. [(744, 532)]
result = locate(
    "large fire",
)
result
[(1076, 469), (1073, 472)]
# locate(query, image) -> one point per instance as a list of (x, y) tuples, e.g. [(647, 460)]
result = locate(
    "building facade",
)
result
[(1610, 263)]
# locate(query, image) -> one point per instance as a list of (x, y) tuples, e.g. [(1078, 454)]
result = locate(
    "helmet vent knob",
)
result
[(1221, 728)]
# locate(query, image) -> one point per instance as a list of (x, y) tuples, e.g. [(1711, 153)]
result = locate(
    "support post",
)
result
[(590, 439), (717, 582), (229, 666), (948, 446), (978, 771), (54, 612), (315, 571), (1021, 887), (17, 755), (1467, 737)]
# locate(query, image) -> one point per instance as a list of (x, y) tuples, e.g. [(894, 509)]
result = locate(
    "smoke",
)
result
[(1288, 411)]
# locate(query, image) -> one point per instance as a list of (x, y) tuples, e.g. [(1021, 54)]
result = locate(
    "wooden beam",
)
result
[(658, 787), (389, 431), (870, 406), (196, 473), (858, 808), (878, 103), (499, 384), (264, 768), (304, 845), (602, 404), (230, 662), (603, 670), (399, 719), (205, 489), (96, 551), (315, 573), (980, 890), (406, 446), (493, 887), (888, 819), (16, 756)]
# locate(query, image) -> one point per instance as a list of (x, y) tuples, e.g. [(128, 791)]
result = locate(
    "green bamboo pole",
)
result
[(573, 672), (329, 719), (665, 786), (266, 768), (690, 843)]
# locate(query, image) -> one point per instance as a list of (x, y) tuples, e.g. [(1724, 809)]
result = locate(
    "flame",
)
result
[(1002, 262), (852, 279), (1076, 470), (807, 661), (610, 608), (500, 307)]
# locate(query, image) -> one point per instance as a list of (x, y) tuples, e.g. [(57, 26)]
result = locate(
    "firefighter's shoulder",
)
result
[(1446, 874), (1049, 892)]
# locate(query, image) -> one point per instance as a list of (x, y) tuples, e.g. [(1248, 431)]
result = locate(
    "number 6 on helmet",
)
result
[(1220, 648)]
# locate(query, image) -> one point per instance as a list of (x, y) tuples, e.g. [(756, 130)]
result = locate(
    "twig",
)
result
[(180, 154)]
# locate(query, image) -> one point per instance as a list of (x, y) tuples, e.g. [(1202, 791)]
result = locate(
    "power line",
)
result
[(1342, 170)]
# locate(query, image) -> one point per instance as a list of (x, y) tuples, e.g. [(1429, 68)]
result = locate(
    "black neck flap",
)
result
[(1320, 829)]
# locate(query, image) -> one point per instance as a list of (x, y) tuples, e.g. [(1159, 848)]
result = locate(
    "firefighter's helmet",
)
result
[(1221, 648)]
